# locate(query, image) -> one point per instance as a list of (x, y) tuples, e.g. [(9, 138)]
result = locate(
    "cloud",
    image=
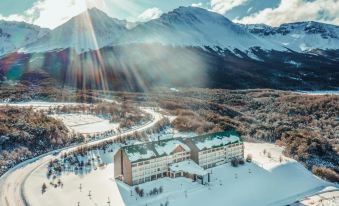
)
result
[(52, 13), (222, 6), (197, 4), (149, 14), (326, 11), (13, 17)]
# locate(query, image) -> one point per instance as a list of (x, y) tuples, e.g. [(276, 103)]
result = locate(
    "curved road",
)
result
[(11, 183)]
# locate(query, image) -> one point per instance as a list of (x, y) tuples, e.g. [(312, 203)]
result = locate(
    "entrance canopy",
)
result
[(188, 166)]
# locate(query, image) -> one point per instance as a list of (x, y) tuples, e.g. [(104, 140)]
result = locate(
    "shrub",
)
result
[(235, 162), (249, 158), (326, 173)]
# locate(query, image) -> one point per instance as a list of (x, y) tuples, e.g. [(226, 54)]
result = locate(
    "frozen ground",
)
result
[(267, 181), (86, 123)]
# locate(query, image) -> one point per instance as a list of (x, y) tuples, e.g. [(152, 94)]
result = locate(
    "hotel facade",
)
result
[(189, 157)]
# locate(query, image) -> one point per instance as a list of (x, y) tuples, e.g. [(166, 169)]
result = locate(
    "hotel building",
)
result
[(189, 157)]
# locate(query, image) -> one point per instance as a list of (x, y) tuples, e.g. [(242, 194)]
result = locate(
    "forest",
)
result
[(25, 133)]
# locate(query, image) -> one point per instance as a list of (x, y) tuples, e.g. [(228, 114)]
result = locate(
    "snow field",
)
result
[(86, 123)]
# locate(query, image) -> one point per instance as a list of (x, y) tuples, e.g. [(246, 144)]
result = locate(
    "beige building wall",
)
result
[(194, 151), (117, 163), (122, 166)]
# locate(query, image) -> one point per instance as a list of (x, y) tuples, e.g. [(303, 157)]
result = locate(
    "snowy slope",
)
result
[(14, 35), (90, 30), (300, 36), (192, 26)]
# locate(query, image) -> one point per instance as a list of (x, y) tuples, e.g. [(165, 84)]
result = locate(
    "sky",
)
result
[(52, 13)]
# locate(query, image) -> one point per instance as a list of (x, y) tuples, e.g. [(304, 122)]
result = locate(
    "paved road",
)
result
[(11, 183)]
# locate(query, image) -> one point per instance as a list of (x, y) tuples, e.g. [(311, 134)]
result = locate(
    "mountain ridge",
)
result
[(185, 26), (15, 35)]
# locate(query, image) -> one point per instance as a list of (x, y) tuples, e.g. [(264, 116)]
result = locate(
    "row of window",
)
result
[(154, 168), (141, 180), (161, 159), (216, 155), (231, 146)]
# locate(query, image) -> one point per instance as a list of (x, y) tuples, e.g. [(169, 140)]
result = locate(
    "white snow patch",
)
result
[(188, 166), (40, 105), (174, 90), (86, 123), (169, 146)]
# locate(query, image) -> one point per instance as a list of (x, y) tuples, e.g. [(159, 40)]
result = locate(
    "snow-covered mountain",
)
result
[(15, 35), (300, 36), (90, 30), (193, 26), (186, 47), (184, 26)]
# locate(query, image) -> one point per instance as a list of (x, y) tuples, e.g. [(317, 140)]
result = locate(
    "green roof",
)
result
[(214, 140)]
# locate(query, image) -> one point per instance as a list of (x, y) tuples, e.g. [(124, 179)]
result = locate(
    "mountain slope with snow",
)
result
[(90, 30), (15, 35), (185, 26), (192, 26), (300, 36)]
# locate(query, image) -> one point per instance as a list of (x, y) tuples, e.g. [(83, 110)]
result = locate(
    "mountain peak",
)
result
[(193, 15), (90, 30), (95, 10), (93, 13)]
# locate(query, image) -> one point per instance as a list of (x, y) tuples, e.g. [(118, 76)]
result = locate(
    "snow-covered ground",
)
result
[(86, 123), (40, 105), (15, 191), (320, 92), (97, 181), (328, 196), (78, 123), (266, 181)]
